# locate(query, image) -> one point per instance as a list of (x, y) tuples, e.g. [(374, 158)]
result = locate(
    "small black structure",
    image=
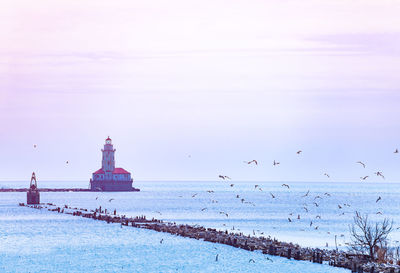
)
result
[(33, 196)]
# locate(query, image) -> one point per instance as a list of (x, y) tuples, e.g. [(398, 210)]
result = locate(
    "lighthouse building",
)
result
[(109, 178)]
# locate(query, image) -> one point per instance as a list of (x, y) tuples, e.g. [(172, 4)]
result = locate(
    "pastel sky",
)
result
[(222, 81)]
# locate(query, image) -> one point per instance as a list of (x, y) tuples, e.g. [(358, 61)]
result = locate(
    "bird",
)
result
[(364, 177), (97, 197), (34, 145), (306, 209), (232, 185), (316, 204), (327, 175), (339, 206), (290, 220), (298, 216), (276, 163), (306, 194), (216, 258), (67, 162), (224, 177), (203, 209), (316, 227), (316, 197), (161, 241), (379, 213), (237, 196), (377, 200), (396, 151), (380, 174), (299, 152), (268, 259), (273, 196), (251, 260), (110, 199), (194, 195), (362, 164), (226, 214), (252, 161), (260, 189), (327, 194), (255, 186), (318, 217), (310, 223), (286, 185), (210, 191)]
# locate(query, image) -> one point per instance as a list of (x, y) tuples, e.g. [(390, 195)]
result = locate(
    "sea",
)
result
[(306, 213)]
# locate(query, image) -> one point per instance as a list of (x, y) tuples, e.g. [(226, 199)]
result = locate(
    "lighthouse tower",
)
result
[(110, 178), (108, 162)]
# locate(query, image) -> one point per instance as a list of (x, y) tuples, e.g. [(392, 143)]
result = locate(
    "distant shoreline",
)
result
[(57, 190)]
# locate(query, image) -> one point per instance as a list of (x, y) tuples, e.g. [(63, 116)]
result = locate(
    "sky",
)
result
[(189, 90)]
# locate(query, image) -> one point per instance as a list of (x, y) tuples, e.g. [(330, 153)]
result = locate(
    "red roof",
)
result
[(99, 172), (120, 171)]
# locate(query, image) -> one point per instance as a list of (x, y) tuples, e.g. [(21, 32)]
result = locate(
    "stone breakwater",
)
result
[(267, 245)]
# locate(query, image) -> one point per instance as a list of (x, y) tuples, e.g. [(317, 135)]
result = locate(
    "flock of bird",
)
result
[(313, 201), (291, 216)]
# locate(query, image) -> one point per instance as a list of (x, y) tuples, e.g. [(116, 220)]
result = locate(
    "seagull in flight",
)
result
[(251, 260), (299, 152), (364, 178), (110, 199), (194, 195), (377, 200), (273, 196), (286, 185), (380, 174), (223, 177), (252, 161), (203, 209), (362, 164), (396, 151), (276, 163), (327, 175), (305, 195), (210, 191), (226, 214)]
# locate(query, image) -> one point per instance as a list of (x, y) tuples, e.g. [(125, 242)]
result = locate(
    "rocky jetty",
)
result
[(267, 245)]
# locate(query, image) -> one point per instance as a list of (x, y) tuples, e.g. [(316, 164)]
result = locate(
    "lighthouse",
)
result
[(110, 178)]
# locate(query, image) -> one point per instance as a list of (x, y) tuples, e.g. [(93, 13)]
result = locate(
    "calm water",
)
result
[(259, 213)]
